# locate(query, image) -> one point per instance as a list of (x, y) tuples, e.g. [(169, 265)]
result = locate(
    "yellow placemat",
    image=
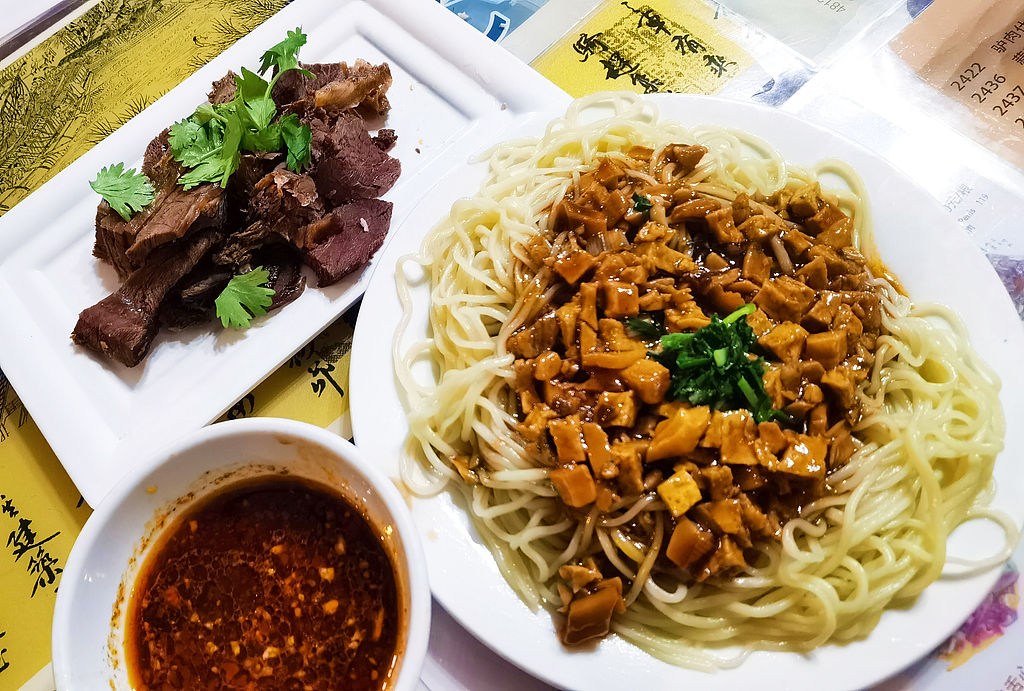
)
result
[(93, 75), (656, 46), (41, 514)]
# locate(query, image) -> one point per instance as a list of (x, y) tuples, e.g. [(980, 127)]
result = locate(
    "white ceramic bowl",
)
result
[(88, 622)]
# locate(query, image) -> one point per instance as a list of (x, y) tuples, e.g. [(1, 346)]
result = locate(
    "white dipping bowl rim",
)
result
[(109, 551)]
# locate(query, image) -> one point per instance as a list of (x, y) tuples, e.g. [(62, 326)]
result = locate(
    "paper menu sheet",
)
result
[(645, 46), (972, 51), (816, 29)]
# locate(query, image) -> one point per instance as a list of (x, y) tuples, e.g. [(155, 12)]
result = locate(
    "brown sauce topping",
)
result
[(277, 585), (596, 398)]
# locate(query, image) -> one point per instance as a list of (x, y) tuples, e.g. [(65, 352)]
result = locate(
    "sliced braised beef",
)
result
[(191, 300), (347, 164), (174, 211), (283, 203), (336, 87), (363, 86), (223, 90), (352, 233), (177, 255), (124, 324), (293, 86), (284, 264), (385, 140)]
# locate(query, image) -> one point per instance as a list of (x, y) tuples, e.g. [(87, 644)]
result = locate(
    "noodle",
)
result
[(923, 460)]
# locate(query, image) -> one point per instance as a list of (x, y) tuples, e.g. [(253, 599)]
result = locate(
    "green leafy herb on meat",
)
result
[(244, 298), (126, 191), (716, 366), (641, 204), (210, 141), (285, 55)]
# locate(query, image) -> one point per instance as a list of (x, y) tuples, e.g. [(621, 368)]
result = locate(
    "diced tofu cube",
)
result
[(648, 379), (679, 434), (616, 409), (599, 451), (575, 484), (805, 457), (738, 437), (842, 382), (727, 515), (620, 299), (679, 492), (721, 224), (785, 299), (828, 348), (688, 543), (568, 435), (573, 264), (786, 340)]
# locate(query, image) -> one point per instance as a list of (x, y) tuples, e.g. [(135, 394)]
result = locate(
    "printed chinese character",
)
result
[(1013, 684), (999, 46), (304, 353), (963, 190), (243, 408), (588, 45), (650, 85), (24, 539), (616, 65), (323, 374), (8, 507), (1018, 57), (717, 64), (1011, 35), (686, 44), (43, 567), (4, 664), (651, 17)]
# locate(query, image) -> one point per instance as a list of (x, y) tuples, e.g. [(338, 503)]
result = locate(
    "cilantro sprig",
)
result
[(126, 191), (641, 204), (716, 365), (210, 141), (244, 298)]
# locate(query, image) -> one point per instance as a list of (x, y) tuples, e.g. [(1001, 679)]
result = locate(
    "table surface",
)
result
[(851, 65)]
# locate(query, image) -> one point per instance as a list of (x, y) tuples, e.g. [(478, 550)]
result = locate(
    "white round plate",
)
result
[(934, 259)]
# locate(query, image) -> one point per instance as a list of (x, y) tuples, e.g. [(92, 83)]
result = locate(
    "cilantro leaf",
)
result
[(647, 329), (126, 191), (285, 55), (298, 139), (211, 140), (244, 298), (641, 204), (717, 366), (250, 85), (192, 141)]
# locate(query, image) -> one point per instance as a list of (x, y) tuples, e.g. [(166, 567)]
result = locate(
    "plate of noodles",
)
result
[(680, 385)]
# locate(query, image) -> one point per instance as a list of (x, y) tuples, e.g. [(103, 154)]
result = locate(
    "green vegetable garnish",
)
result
[(126, 191), (641, 204), (648, 329), (244, 298), (210, 141), (285, 55), (716, 366)]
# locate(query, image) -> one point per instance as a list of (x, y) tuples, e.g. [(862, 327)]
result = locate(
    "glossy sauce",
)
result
[(277, 585)]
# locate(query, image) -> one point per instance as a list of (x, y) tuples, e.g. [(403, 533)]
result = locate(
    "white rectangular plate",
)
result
[(453, 90)]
